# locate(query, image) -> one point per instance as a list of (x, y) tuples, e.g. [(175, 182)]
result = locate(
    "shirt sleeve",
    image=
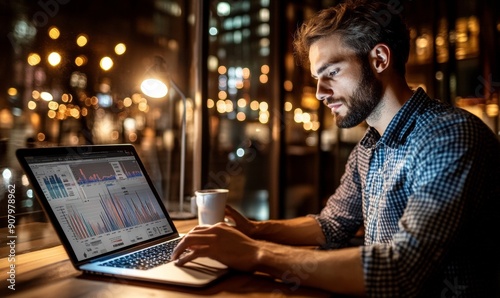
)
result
[(342, 216)]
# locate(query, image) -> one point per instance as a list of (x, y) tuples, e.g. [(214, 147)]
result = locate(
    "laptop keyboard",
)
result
[(145, 259)]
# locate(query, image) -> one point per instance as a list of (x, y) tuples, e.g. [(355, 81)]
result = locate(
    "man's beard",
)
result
[(363, 101)]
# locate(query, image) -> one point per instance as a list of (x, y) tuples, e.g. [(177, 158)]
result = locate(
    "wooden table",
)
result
[(49, 273)]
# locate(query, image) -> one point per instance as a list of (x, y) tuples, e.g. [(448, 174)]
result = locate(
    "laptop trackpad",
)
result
[(199, 271)]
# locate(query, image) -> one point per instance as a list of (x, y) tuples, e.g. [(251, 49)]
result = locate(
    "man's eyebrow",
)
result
[(323, 68)]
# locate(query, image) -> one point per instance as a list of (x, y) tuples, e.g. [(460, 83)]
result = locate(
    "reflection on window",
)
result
[(467, 38)]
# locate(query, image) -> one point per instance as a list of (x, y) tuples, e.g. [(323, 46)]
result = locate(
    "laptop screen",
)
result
[(101, 199)]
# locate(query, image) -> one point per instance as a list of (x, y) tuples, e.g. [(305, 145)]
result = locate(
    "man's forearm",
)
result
[(338, 271), (297, 231)]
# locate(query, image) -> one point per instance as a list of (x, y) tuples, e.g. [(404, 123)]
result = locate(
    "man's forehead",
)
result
[(328, 50)]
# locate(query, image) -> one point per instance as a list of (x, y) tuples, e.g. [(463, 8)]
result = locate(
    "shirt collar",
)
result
[(401, 125)]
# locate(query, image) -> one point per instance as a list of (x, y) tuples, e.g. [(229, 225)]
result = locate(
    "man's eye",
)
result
[(334, 72)]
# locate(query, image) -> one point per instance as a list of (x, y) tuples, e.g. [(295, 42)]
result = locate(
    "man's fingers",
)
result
[(191, 241), (229, 209), (192, 254)]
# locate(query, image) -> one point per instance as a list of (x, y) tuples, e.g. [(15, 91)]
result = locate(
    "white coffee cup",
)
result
[(211, 204)]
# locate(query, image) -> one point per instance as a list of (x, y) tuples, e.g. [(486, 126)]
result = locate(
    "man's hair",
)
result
[(361, 25)]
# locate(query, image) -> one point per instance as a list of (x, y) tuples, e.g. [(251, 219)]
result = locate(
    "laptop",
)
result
[(108, 215)]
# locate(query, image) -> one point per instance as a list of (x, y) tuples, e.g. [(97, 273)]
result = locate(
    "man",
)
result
[(423, 182)]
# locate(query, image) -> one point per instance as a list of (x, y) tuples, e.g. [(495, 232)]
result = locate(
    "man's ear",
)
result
[(380, 56)]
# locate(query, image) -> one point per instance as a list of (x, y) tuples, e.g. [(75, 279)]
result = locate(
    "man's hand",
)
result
[(241, 223), (220, 242)]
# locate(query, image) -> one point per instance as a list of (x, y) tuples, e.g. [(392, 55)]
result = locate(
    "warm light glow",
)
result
[(46, 96), (143, 106), (242, 103), (35, 119), (264, 69), (75, 113), (6, 118), (210, 103), (34, 59), (40, 136), (54, 58), (120, 49), (66, 97), (306, 118), (106, 63), (35, 94), (221, 69), (297, 115), (24, 180), (53, 105), (263, 106), (81, 40), (221, 106), (492, 110), (229, 105), (132, 137), (12, 91), (246, 73), (288, 106), (264, 117), (288, 85), (222, 95), (80, 60), (315, 125), (297, 118), (127, 102), (254, 105), (239, 84), (439, 75), (440, 41), (241, 116), (212, 63), (129, 124), (154, 88), (104, 86), (263, 78), (422, 42), (54, 33), (31, 105), (136, 98)]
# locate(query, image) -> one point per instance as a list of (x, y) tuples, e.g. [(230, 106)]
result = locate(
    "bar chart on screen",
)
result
[(130, 168), (112, 209), (55, 186), (57, 183), (93, 172)]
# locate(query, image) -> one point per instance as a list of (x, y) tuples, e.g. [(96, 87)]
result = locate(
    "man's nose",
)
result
[(323, 91)]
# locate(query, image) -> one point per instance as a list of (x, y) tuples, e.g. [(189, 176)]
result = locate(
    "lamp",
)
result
[(155, 85)]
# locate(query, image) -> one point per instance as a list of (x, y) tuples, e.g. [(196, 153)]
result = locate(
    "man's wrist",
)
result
[(262, 258), (254, 230)]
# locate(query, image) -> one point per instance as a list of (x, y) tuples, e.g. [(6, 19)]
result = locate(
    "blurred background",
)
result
[(70, 73)]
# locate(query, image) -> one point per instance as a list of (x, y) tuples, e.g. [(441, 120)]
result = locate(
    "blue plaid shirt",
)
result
[(427, 193)]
